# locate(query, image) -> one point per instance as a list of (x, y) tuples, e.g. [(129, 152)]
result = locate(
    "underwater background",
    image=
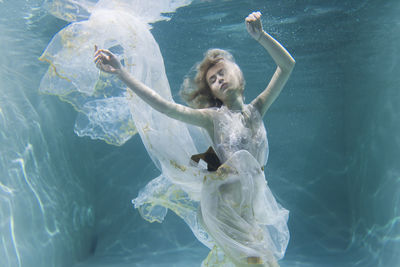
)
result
[(334, 136)]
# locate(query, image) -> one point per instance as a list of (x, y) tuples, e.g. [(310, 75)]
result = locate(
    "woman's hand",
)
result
[(254, 26), (107, 61)]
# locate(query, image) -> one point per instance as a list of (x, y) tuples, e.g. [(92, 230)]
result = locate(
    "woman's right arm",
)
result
[(108, 62)]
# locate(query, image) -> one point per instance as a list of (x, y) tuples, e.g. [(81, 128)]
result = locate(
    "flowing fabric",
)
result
[(237, 206), (232, 210)]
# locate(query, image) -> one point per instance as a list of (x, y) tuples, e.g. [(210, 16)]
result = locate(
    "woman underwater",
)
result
[(237, 209)]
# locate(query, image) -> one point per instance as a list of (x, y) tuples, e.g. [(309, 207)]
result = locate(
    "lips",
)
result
[(224, 86)]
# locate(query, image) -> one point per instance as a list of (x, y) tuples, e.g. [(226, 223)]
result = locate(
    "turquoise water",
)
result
[(334, 140)]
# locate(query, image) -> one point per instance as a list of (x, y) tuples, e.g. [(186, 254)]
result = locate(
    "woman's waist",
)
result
[(226, 151)]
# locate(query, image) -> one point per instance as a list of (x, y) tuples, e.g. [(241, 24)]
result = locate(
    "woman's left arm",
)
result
[(281, 57)]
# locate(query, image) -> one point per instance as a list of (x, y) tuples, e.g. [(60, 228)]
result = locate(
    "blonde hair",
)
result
[(196, 92)]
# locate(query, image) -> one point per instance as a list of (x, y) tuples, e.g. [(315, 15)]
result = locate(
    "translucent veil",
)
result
[(107, 111), (121, 26)]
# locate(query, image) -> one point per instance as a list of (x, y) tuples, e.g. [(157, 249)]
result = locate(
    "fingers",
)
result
[(98, 57), (99, 64), (100, 60), (98, 52), (103, 59), (253, 17), (105, 51), (102, 51)]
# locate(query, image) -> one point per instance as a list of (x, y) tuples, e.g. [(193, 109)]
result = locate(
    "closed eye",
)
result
[(212, 79)]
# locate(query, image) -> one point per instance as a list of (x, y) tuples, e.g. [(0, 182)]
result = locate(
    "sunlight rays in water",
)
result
[(34, 188), (7, 221)]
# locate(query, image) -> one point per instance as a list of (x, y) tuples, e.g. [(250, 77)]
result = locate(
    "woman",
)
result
[(237, 209)]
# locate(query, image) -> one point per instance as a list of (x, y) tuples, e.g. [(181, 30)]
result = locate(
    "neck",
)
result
[(235, 104)]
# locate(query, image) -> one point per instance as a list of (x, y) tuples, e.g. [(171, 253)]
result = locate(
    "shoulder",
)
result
[(207, 115), (213, 111), (252, 110)]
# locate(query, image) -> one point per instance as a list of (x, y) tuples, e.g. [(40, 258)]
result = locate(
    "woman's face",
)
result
[(224, 80)]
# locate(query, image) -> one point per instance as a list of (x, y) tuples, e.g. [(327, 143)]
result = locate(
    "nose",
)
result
[(221, 80)]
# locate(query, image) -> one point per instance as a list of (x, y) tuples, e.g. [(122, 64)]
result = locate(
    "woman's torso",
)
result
[(235, 131)]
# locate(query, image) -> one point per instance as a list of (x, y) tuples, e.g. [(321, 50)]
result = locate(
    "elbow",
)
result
[(289, 66), (291, 63)]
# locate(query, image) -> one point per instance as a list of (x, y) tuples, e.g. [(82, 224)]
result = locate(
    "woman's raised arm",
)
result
[(108, 62), (281, 57)]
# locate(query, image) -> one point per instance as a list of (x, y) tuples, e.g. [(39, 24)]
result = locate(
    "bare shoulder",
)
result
[(208, 113), (207, 118)]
